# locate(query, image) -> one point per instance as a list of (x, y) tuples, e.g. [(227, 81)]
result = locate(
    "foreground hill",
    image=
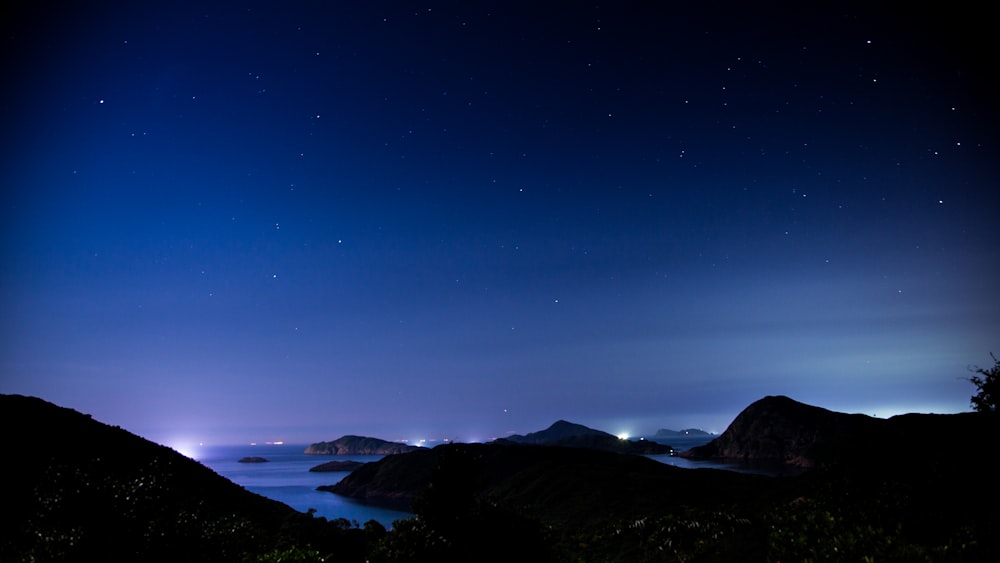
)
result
[(568, 434), (780, 429), (561, 486), (79, 490), (358, 445)]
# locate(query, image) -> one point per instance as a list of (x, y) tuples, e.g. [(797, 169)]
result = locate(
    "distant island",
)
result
[(569, 434), (332, 466), (252, 459), (358, 445), (666, 433)]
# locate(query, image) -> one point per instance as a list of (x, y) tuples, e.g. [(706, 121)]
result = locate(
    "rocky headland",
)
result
[(335, 466), (358, 445), (780, 429), (777, 428)]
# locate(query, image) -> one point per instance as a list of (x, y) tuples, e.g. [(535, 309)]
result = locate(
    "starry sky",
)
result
[(246, 221)]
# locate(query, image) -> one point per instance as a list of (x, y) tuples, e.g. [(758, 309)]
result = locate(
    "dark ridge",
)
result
[(333, 466), (559, 430), (563, 486), (784, 430), (667, 433), (777, 428), (80, 490), (572, 435), (392, 482)]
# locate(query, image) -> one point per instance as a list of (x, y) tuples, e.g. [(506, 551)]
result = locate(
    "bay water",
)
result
[(286, 478)]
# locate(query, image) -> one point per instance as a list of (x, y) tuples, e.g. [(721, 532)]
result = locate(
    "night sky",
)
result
[(231, 222)]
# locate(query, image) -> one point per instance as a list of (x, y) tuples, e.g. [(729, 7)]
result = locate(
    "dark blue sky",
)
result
[(226, 222)]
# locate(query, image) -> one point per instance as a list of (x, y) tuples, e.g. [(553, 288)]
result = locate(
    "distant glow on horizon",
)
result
[(889, 411), (186, 448)]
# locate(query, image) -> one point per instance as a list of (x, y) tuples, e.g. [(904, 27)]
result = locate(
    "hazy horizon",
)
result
[(633, 428)]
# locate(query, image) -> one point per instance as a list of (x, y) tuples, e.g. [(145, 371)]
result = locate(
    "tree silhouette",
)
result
[(985, 400)]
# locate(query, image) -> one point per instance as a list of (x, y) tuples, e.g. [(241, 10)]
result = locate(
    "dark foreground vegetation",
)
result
[(920, 490)]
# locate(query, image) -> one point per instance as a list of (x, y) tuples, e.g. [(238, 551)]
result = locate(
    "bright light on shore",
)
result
[(186, 449), (623, 436)]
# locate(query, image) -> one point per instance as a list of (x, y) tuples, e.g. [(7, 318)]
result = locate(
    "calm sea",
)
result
[(285, 477)]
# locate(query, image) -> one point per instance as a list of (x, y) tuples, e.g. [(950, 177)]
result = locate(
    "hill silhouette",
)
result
[(559, 430), (780, 429), (777, 428), (569, 434), (76, 489), (668, 433), (559, 485)]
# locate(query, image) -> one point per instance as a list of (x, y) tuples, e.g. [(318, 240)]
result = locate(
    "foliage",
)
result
[(292, 555), (988, 385), (454, 523), (811, 530), (843, 520), (690, 535), (156, 511), (486, 533), (85, 509)]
